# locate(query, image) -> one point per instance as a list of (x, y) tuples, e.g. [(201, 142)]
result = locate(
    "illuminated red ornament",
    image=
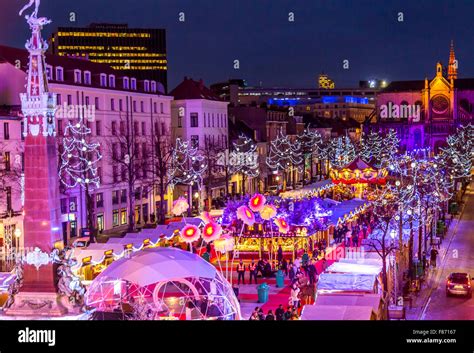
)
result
[(282, 225), (212, 231), (257, 202), (246, 215), (190, 233)]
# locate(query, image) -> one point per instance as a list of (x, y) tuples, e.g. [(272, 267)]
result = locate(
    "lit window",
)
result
[(153, 86), (126, 83), (147, 86), (134, 84)]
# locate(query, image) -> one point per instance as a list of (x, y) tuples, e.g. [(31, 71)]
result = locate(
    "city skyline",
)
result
[(264, 41)]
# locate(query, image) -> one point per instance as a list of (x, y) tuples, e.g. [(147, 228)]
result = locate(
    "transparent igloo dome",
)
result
[(164, 284)]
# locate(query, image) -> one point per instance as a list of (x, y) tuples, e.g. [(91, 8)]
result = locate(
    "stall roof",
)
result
[(337, 312), (349, 282), (342, 208), (344, 267), (307, 188), (355, 299), (363, 261)]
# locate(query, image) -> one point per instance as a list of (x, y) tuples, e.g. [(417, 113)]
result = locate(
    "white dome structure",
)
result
[(169, 282)]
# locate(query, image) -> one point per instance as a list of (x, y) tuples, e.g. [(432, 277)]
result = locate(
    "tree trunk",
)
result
[(384, 271), (90, 215), (410, 251), (162, 203), (131, 205)]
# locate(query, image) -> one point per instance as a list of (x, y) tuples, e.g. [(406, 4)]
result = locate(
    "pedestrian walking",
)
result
[(433, 256), (294, 296), (279, 313)]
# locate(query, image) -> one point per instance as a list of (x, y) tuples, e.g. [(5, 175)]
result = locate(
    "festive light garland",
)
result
[(244, 157), (283, 153), (79, 158), (341, 152), (187, 164)]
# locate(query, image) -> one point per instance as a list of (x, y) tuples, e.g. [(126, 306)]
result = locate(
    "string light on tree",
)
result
[(79, 158)]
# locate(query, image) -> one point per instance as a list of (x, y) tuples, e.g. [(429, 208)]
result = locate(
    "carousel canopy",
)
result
[(358, 171), (154, 265), (359, 164)]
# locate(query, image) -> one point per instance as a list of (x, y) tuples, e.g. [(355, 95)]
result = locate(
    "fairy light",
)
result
[(187, 164), (283, 152), (79, 158)]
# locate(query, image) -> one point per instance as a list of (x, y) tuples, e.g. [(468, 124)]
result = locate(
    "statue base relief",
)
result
[(40, 304)]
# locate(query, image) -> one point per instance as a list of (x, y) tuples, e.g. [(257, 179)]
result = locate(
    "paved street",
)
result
[(459, 258)]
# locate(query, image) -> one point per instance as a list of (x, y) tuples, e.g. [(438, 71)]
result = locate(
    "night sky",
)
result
[(274, 51)]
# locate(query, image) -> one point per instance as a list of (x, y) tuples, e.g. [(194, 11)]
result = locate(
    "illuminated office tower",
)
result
[(137, 52), (325, 82)]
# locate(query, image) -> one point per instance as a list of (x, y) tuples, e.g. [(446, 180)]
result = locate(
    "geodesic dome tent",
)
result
[(169, 283)]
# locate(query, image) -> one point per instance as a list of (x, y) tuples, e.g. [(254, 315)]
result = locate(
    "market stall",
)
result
[(347, 283), (261, 229), (373, 300)]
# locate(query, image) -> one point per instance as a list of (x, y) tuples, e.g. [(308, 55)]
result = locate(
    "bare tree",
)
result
[(161, 154), (128, 164), (215, 171)]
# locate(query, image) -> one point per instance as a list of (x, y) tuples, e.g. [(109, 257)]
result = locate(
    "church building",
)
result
[(425, 112)]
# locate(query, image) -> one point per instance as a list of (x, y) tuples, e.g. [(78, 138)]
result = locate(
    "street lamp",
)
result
[(393, 234), (17, 237)]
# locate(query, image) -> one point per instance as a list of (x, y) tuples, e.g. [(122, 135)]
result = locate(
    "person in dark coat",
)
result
[(270, 316), (433, 256), (279, 312), (280, 254), (261, 315), (312, 272), (287, 315), (284, 267)]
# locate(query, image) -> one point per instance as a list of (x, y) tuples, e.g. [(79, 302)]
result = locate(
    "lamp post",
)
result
[(17, 238), (393, 234)]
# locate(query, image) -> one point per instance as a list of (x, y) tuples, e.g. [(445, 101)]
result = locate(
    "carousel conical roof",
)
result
[(359, 164)]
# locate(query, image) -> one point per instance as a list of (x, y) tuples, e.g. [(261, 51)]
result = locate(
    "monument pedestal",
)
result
[(39, 304)]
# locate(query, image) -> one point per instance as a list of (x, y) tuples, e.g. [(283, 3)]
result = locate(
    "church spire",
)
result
[(453, 64)]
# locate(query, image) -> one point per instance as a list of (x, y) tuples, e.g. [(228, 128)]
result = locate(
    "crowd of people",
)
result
[(352, 235), (291, 313)]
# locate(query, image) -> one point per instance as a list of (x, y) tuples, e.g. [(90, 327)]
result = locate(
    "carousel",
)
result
[(359, 174)]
